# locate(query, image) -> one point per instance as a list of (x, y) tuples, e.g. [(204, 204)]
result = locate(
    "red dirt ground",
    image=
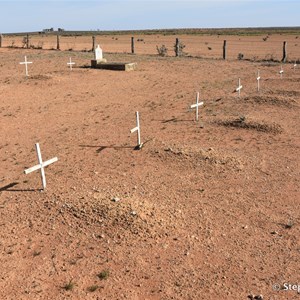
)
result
[(256, 47), (207, 210)]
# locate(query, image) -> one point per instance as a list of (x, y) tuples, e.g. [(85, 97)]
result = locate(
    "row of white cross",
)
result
[(25, 62), (238, 89), (70, 63), (41, 165)]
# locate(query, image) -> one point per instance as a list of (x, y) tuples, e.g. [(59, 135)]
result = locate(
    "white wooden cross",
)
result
[(258, 78), (138, 129), (281, 72), (41, 165), (70, 63), (238, 89), (26, 63), (197, 106)]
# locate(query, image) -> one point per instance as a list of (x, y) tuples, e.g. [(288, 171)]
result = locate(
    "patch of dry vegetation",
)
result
[(272, 100), (260, 126)]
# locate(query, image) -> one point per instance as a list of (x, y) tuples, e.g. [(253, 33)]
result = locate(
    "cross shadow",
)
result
[(7, 188), (287, 225), (101, 148), (84, 67), (175, 120)]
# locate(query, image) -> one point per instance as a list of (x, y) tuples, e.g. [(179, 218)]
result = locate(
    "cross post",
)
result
[(70, 63), (238, 89), (258, 78), (281, 72), (41, 165), (197, 106), (25, 62), (138, 129)]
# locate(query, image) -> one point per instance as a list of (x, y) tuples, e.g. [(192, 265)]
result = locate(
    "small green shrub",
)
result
[(93, 288), (103, 275), (69, 286)]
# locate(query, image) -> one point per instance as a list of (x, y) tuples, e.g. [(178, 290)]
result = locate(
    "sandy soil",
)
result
[(206, 210)]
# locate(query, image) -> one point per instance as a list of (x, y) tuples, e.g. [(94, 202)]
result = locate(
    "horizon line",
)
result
[(297, 27)]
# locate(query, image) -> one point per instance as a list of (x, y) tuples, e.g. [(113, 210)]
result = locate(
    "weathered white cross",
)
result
[(258, 78), (70, 63), (41, 165), (197, 106), (238, 89), (281, 72), (26, 63), (138, 129)]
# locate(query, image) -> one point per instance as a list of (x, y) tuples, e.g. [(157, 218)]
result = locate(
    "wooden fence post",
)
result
[(177, 47), (0, 40), (94, 41), (224, 50), (284, 55), (132, 45), (57, 42), (27, 41)]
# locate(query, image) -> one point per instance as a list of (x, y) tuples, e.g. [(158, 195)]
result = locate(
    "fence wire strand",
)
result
[(257, 47)]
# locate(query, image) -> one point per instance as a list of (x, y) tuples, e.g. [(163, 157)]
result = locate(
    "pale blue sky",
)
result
[(21, 16)]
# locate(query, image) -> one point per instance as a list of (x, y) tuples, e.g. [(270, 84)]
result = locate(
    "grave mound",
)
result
[(130, 214), (261, 126), (271, 100), (39, 77), (194, 156)]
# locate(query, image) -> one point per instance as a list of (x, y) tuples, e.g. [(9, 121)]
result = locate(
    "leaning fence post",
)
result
[(132, 45), (284, 56), (93, 47), (57, 42), (0, 40), (27, 41), (224, 50), (177, 47)]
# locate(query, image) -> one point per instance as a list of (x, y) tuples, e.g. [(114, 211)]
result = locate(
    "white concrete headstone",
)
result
[(98, 53)]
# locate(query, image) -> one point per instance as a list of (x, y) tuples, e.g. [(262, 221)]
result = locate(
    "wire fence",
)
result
[(206, 46)]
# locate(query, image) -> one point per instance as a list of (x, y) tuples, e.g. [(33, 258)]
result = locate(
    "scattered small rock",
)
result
[(253, 297), (115, 199)]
